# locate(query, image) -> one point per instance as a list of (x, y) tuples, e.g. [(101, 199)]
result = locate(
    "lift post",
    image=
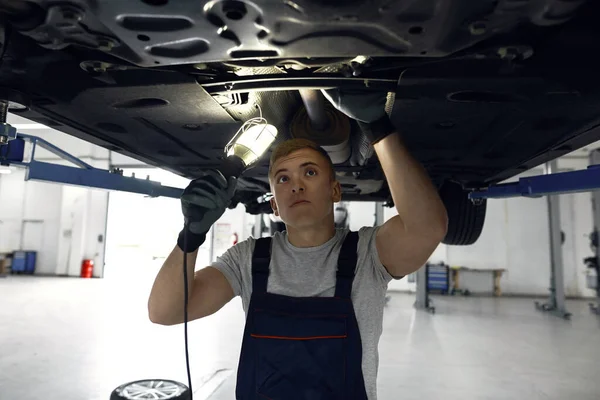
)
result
[(82, 174), (378, 213), (556, 302), (423, 301), (595, 307)]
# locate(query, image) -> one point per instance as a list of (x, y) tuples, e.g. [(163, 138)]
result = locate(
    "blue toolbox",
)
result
[(438, 278), (24, 262)]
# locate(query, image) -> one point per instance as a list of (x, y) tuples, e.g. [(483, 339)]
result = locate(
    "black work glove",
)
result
[(367, 108), (203, 202)]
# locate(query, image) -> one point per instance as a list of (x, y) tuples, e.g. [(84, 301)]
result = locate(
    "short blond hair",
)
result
[(287, 147)]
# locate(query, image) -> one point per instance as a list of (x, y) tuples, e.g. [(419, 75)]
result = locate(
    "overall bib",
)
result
[(301, 348)]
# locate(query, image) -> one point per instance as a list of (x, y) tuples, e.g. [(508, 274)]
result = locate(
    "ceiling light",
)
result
[(29, 126)]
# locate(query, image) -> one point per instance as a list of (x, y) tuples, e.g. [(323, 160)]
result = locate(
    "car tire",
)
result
[(465, 219), (162, 389)]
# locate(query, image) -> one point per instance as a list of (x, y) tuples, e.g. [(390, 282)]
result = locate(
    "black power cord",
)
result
[(185, 310), (233, 168)]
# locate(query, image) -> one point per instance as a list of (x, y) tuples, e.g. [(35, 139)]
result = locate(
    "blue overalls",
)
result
[(301, 348)]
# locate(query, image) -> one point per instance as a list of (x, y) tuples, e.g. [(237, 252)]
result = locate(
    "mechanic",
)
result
[(313, 295)]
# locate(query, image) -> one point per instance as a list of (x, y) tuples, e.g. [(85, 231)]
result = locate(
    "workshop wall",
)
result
[(516, 237), (81, 230), (63, 224), (222, 235), (361, 214), (29, 217), (12, 188), (143, 229)]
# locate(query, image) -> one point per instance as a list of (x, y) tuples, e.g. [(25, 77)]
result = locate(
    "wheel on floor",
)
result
[(159, 389)]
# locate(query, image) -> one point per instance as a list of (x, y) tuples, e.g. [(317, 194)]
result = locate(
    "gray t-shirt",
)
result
[(310, 272)]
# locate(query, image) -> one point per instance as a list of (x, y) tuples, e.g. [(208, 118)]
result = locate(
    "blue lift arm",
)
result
[(82, 175), (543, 185), (87, 176)]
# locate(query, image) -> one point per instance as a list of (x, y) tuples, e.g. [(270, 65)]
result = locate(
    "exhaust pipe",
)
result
[(314, 102)]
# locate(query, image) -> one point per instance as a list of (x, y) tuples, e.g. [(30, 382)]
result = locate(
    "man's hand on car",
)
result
[(367, 108), (203, 202)]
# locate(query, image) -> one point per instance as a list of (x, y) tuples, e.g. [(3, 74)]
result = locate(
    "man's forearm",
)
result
[(166, 298), (415, 197)]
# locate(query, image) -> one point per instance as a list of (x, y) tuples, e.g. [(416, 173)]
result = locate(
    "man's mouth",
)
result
[(299, 202)]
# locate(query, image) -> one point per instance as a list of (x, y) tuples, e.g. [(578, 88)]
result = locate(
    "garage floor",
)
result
[(73, 339)]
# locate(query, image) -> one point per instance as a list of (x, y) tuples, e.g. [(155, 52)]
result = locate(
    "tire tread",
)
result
[(465, 219)]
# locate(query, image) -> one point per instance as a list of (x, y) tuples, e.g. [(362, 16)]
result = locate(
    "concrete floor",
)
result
[(73, 339)]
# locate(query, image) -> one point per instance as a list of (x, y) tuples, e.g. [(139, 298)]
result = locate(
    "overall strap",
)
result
[(346, 266), (261, 258)]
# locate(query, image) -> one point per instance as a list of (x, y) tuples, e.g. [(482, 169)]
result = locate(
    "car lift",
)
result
[(552, 184), (12, 152)]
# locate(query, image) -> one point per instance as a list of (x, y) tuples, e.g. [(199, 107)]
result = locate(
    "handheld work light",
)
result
[(247, 145)]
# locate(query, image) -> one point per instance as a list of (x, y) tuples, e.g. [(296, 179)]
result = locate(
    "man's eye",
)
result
[(282, 179), (311, 172)]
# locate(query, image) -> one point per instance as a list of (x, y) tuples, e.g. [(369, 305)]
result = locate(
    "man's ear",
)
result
[(336, 191), (274, 206)]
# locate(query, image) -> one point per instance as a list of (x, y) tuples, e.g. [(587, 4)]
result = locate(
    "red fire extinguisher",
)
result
[(87, 268)]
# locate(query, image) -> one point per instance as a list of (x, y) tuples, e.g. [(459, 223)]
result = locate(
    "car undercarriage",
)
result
[(482, 90)]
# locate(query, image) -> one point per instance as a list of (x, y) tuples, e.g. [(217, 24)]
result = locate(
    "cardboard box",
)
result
[(4, 263)]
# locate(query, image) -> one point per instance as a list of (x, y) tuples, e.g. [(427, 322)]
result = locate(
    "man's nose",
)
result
[(297, 187)]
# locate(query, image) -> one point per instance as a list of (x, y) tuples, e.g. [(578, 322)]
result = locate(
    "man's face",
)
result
[(303, 190)]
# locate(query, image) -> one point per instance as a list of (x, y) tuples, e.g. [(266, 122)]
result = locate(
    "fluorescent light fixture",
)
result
[(30, 126)]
